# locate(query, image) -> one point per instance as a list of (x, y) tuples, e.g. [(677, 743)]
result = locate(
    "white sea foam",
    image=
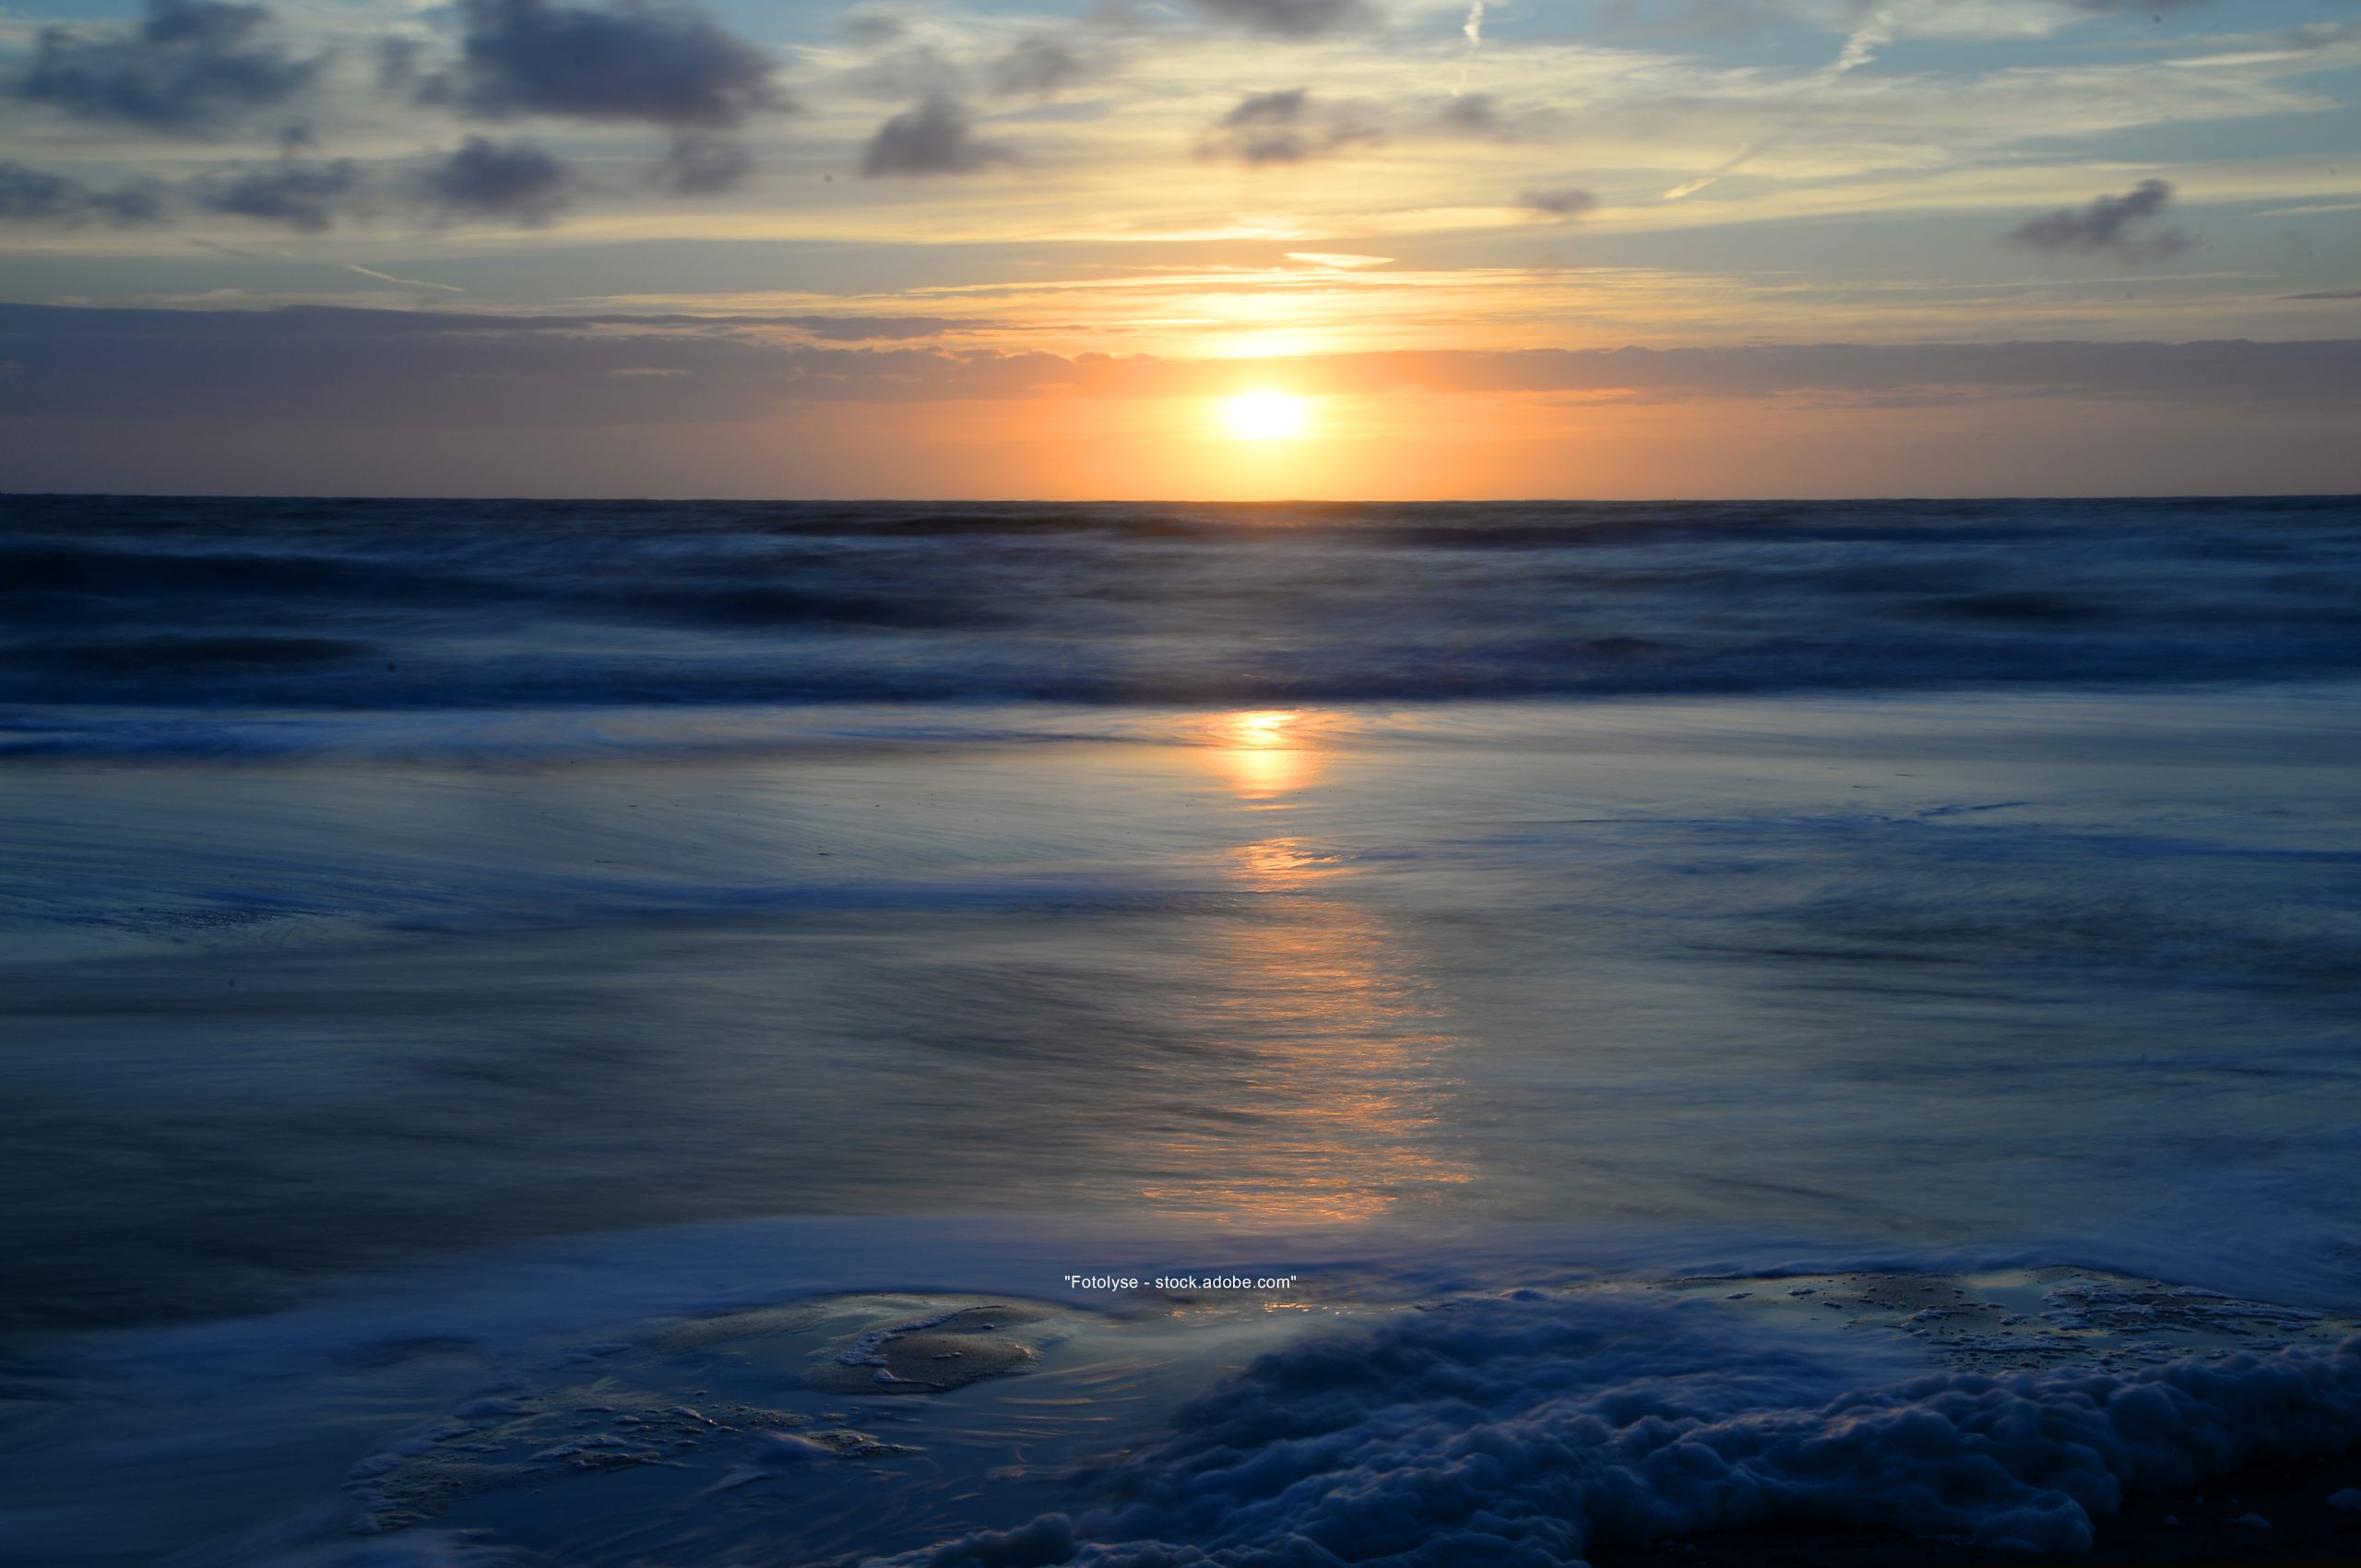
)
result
[(1523, 1430), (1522, 1423)]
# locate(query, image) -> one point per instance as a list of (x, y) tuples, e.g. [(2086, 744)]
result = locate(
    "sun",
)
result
[(1265, 416)]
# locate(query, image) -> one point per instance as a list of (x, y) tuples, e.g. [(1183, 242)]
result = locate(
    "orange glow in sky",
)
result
[(1972, 249)]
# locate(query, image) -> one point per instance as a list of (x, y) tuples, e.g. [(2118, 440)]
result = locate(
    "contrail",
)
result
[(1862, 46), (221, 249), (1474, 31), (1690, 187), (407, 283)]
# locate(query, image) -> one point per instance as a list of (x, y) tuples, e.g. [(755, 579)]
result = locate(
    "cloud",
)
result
[(917, 70), (306, 196), (1039, 64), (481, 367), (1279, 127), (663, 64), (870, 29), (35, 196), (1861, 46), (1973, 18), (699, 163), (2318, 34), (1688, 188), (1270, 108), (486, 179), (1471, 29), (874, 329), (1289, 19), (2107, 224), (1566, 201), (190, 65), (934, 137), (1473, 114)]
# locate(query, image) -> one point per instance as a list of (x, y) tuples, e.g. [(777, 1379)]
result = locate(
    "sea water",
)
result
[(731, 1033)]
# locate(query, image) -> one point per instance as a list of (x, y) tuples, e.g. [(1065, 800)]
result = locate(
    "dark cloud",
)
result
[(1039, 64), (2327, 294), (1279, 127), (665, 63), (486, 179), (1289, 19), (1567, 201), (35, 196), (2107, 224), (700, 163), (1270, 108), (1474, 114), (934, 137), (190, 65), (306, 196)]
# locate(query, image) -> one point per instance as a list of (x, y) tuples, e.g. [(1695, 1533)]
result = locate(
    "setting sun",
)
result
[(1265, 416)]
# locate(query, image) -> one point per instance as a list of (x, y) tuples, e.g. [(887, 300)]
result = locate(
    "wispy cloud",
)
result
[(1285, 127)]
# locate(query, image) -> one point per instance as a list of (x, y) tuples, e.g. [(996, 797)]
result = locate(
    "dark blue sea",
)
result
[(724, 1033), (230, 606)]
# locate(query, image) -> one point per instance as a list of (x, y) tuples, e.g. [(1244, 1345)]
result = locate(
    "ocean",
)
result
[(787, 1033)]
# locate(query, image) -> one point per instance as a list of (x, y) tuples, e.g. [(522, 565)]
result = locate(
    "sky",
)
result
[(1447, 248)]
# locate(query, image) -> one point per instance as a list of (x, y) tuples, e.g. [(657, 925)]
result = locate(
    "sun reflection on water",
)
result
[(1332, 1048), (1267, 753)]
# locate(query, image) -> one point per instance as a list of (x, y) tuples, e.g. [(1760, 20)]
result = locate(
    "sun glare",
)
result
[(1265, 416)]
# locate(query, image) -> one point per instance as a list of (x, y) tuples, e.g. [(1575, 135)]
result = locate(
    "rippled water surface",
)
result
[(439, 945)]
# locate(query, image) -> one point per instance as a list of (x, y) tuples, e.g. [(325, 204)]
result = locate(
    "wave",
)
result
[(381, 606)]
